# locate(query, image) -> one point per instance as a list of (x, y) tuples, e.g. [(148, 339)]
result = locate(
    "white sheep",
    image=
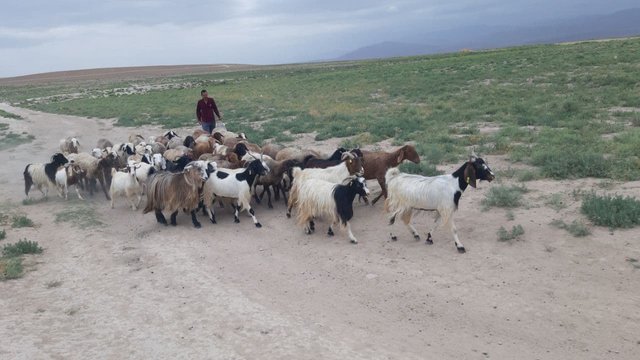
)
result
[(127, 184), (408, 193), (69, 145)]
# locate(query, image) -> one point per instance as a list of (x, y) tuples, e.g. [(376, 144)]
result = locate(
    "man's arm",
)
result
[(198, 111), (215, 108)]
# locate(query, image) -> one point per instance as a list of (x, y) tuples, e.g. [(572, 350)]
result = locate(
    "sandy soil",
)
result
[(135, 289)]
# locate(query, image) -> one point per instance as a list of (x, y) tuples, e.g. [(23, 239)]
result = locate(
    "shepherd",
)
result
[(206, 112)]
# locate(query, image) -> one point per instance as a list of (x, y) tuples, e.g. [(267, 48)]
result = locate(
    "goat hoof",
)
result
[(197, 225), (461, 250), (354, 241), (213, 221), (394, 238), (330, 232), (174, 224), (416, 237), (270, 206), (288, 215), (236, 220), (258, 225), (429, 242)]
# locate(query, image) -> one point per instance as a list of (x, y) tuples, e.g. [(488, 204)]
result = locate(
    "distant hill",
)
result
[(619, 24)]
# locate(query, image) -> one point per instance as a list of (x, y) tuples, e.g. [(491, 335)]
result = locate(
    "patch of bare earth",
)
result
[(132, 288)]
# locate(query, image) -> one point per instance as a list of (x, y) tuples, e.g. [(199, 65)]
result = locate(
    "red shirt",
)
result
[(205, 110)]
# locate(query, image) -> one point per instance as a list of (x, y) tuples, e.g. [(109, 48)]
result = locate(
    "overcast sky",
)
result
[(40, 36)]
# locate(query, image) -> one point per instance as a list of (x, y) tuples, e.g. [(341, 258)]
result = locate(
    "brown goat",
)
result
[(273, 179), (172, 192), (293, 153), (376, 164), (202, 148), (271, 149)]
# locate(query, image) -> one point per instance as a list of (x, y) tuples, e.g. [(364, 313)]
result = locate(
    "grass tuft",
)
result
[(516, 232), (20, 221), (504, 196), (20, 248), (81, 216), (612, 211), (576, 228), (3, 234)]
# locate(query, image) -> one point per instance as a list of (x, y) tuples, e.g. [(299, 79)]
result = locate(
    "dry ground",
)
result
[(132, 288)]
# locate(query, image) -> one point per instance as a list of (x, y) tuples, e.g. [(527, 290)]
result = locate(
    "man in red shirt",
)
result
[(205, 111)]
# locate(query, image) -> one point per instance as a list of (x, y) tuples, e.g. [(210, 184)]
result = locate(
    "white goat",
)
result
[(408, 193), (321, 198), (350, 165), (233, 184), (126, 183), (43, 175)]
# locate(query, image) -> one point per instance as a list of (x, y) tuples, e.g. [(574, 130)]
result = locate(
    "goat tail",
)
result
[(151, 190), (28, 180)]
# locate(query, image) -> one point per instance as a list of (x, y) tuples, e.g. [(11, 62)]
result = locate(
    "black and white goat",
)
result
[(43, 175), (408, 193), (321, 198), (233, 184)]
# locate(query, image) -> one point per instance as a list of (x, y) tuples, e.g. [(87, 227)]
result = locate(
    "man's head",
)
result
[(204, 94)]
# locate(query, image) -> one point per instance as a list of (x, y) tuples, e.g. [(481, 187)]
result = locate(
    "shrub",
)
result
[(559, 163), (20, 248), (516, 232), (612, 211), (10, 268), (576, 228), (20, 221), (504, 196), (556, 202), (3, 234)]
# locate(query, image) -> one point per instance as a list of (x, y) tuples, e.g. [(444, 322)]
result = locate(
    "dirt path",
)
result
[(131, 288)]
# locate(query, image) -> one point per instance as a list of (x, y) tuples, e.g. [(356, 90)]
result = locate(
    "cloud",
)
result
[(38, 35)]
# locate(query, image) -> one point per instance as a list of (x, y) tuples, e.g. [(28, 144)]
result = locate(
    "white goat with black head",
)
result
[(321, 198), (43, 175), (234, 184), (408, 193)]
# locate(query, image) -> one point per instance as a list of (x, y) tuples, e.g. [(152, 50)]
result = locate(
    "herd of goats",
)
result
[(191, 173)]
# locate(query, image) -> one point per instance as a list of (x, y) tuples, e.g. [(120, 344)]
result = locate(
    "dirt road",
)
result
[(123, 286)]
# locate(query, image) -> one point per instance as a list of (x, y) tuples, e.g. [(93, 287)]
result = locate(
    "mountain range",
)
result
[(620, 24)]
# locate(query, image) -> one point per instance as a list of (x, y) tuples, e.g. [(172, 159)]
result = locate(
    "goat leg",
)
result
[(195, 222), (173, 218)]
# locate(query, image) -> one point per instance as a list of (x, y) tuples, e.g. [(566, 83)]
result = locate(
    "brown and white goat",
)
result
[(68, 175)]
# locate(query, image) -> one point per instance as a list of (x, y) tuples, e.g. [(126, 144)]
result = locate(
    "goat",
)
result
[(271, 149), (159, 162), (69, 145), (376, 164), (173, 154), (178, 165), (321, 198), (96, 169), (68, 175), (104, 143), (293, 153), (127, 184), (234, 184), (43, 175), (158, 148), (351, 165), (172, 192), (408, 193), (164, 139), (274, 179), (136, 139), (201, 148), (311, 161)]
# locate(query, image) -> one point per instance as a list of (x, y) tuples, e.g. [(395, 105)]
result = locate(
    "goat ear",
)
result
[(401, 155), (470, 174)]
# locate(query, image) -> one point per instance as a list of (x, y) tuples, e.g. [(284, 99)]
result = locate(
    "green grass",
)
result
[(3, 234), (516, 232), (556, 202), (576, 228), (20, 248), (551, 104), (81, 216), (11, 261), (504, 196), (613, 211), (20, 221), (9, 115), (11, 140)]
